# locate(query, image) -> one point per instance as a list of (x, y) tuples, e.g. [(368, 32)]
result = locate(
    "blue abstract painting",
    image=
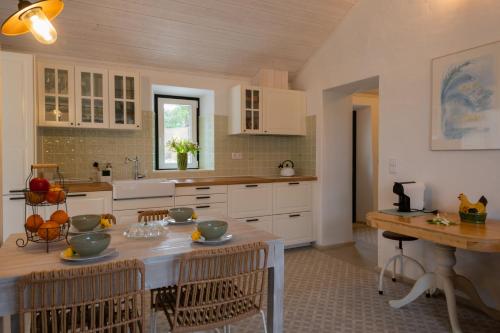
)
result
[(466, 92)]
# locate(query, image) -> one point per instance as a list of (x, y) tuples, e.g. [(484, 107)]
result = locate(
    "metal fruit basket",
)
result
[(40, 202)]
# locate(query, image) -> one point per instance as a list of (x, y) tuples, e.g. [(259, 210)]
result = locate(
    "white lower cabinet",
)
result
[(127, 211), (292, 197), (250, 200), (264, 223), (217, 208), (13, 215), (294, 228), (85, 203)]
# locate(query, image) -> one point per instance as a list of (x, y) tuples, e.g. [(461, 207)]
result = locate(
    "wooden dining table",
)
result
[(446, 239), (160, 257)]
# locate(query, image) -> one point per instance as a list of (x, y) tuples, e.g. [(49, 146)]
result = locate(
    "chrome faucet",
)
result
[(137, 175)]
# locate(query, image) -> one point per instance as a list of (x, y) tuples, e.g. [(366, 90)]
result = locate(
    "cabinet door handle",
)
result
[(205, 206), (17, 198), (203, 197), (252, 185), (203, 188), (294, 215), (293, 183), (76, 195), (140, 211), (252, 220), (16, 191)]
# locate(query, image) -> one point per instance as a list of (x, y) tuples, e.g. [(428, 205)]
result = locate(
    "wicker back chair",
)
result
[(152, 215), (109, 217), (216, 287), (99, 298)]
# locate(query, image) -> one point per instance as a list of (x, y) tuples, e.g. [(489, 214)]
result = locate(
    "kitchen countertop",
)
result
[(205, 181)]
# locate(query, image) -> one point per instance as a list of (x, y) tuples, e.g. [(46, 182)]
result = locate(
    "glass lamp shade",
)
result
[(39, 25)]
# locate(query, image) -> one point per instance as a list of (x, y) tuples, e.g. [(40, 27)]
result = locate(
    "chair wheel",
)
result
[(380, 292), (393, 279)]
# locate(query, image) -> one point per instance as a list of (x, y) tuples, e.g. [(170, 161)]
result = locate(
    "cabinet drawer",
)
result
[(200, 199), (83, 203), (292, 197), (210, 209), (250, 200), (148, 203), (196, 190), (264, 223), (294, 228)]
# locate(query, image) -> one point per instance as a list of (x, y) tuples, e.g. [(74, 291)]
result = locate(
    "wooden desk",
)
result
[(446, 239), (158, 255)]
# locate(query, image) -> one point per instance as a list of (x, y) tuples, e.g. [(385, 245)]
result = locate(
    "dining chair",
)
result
[(99, 298), (152, 215), (216, 287), (109, 217)]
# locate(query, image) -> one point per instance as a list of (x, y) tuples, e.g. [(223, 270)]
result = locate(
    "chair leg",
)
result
[(263, 315), (152, 321), (394, 263), (381, 278)]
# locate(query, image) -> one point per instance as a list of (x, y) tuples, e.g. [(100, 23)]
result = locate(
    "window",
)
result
[(176, 117)]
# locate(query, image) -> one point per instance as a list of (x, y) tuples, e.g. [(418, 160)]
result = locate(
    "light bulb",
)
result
[(39, 25)]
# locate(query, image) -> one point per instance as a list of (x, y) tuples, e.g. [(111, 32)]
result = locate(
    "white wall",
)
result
[(364, 163), (396, 41)]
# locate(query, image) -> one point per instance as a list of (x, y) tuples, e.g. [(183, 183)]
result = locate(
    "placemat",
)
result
[(405, 214)]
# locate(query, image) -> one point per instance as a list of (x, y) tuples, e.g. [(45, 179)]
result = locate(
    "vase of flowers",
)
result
[(182, 148)]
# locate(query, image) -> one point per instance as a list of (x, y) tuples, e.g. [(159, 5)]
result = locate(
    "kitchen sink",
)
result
[(143, 188)]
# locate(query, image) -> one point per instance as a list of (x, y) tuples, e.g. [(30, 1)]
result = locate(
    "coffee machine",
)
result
[(410, 196)]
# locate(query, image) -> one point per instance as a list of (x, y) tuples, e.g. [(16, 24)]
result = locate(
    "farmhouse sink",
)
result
[(142, 188)]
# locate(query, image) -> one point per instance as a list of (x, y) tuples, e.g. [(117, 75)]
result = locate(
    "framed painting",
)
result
[(465, 99)]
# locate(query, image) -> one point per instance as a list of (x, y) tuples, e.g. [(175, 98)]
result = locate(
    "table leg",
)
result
[(275, 292), (424, 283)]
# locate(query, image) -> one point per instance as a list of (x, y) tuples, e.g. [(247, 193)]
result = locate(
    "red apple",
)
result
[(39, 185)]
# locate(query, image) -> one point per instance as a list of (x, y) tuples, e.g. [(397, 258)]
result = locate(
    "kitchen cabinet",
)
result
[(292, 197), (200, 190), (124, 105), (264, 223), (284, 112), (56, 96), (17, 135), (269, 111), (92, 107), (82, 203), (217, 208), (127, 211), (250, 200), (200, 199), (295, 228)]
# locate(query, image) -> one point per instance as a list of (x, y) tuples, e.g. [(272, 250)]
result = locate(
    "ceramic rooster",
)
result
[(468, 207)]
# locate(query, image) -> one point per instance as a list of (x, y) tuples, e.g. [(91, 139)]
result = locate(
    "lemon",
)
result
[(196, 235), (69, 252), (194, 216), (105, 223)]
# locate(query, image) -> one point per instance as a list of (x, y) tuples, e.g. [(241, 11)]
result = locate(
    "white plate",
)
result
[(77, 258), (171, 221), (218, 241), (99, 228)]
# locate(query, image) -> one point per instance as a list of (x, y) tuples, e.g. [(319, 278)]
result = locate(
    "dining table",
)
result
[(446, 239), (159, 255)]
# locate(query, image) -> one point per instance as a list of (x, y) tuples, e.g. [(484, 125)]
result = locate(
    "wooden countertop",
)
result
[(468, 236), (89, 187), (185, 182)]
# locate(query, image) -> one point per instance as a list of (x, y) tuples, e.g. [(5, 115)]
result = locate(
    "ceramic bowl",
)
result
[(90, 244), (85, 222), (180, 214), (212, 229), (476, 218)]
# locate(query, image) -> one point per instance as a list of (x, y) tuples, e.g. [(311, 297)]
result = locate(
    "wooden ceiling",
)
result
[(234, 37)]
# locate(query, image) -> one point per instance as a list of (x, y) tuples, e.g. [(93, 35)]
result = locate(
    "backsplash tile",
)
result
[(75, 149)]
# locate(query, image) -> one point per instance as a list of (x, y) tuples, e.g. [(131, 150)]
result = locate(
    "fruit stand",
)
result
[(41, 197)]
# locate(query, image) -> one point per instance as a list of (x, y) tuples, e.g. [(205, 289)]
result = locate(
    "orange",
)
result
[(33, 222), (49, 230), (55, 195), (59, 216), (35, 198)]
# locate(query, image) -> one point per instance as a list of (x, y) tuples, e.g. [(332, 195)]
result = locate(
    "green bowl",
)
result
[(90, 244), (476, 218), (212, 229), (85, 222), (180, 214)]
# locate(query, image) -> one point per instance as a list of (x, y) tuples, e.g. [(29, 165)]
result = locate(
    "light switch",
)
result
[(237, 156), (393, 166)]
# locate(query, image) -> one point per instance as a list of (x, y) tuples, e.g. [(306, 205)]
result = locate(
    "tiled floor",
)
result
[(335, 290)]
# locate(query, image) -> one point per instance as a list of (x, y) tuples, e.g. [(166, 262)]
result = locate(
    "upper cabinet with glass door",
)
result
[(124, 101), (56, 95), (91, 97), (246, 111)]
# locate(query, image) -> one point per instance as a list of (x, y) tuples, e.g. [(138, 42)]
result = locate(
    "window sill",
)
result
[(176, 171)]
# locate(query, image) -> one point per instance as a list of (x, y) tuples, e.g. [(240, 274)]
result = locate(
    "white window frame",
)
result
[(193, 163)]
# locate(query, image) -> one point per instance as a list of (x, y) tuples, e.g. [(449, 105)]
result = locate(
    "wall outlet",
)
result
[(393, 166), (237, 156)]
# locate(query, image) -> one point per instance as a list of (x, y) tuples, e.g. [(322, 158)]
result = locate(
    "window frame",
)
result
[(157, 97)]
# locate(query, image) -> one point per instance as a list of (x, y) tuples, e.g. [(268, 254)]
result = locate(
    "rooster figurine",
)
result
[(468, 207)]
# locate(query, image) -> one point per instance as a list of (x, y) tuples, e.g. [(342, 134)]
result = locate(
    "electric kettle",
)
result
[(287, 168)]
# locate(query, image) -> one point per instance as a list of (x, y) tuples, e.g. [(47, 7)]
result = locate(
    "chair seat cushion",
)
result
[(398, 237)]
